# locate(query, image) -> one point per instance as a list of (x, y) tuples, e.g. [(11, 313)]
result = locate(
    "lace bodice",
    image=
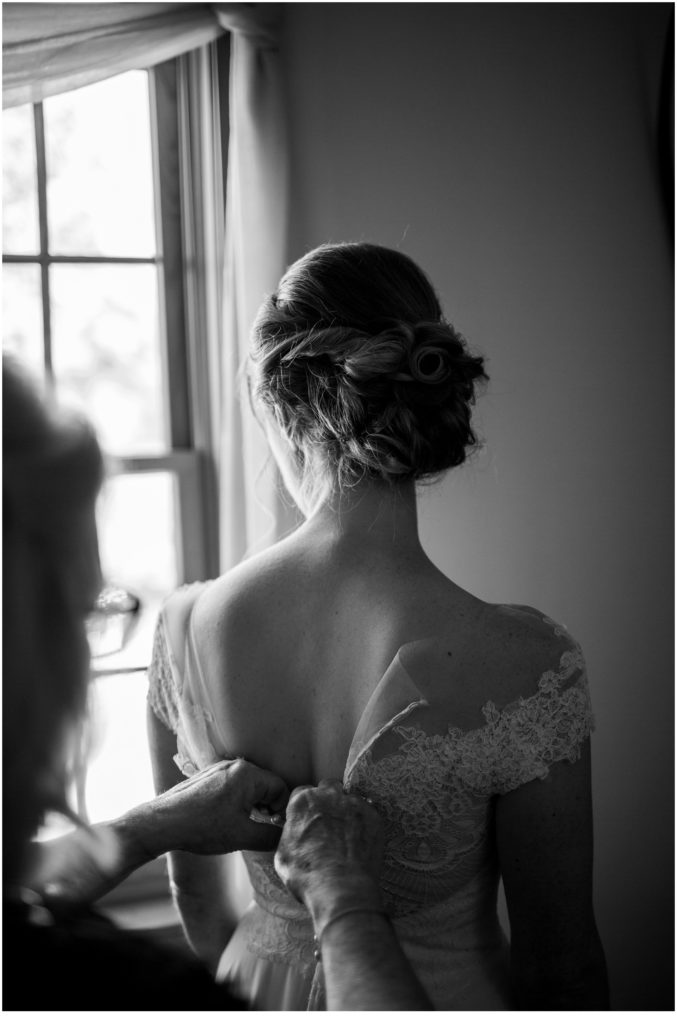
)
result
[(436, 789), (434, 781)]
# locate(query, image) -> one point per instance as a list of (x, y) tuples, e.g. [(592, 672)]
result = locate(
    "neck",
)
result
[(370, 513)]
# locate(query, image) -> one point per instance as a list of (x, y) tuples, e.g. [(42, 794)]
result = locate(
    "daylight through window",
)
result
[(88, 240)]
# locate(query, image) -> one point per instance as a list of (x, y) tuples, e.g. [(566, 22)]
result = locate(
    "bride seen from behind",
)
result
[(343, 652)]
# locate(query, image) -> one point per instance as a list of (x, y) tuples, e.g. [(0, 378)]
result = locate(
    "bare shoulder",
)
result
[(523, 644), (498, 652), (524, 632), (231, 609), (527, 640)]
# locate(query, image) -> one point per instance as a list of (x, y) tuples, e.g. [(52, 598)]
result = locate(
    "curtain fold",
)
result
[(254, 511), (54, 47)]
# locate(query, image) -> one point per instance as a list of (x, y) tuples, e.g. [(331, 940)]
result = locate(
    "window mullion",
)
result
[(164, 128), (173, 462), (201, 180), (43, 258), (41, 160), (177, 323)]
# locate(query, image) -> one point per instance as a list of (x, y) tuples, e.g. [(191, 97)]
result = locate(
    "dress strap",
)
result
[(395, 697)]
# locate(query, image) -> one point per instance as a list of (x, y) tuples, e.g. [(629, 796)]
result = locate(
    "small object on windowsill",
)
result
[(112, 621), (144, 914), (122, 670)]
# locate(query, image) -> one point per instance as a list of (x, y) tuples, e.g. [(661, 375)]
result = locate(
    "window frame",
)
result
[(196, 560), (181, 221), (197, 557)]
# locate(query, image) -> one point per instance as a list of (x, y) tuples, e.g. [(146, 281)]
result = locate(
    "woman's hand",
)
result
[(330, 858), (209, 813), (331, 850)]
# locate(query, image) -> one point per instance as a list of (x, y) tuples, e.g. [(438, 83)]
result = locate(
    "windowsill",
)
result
[(144, 915), (143, 904), (148, 885), (155, 920)]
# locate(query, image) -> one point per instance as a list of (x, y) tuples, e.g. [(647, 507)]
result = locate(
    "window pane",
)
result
[(136, 518), (137, 526), (106, 351), (19, 182), (119, 772), (99, 169), (137, 539), (22, 316)]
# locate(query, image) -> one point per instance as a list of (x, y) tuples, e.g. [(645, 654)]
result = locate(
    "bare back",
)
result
[(294, 642)]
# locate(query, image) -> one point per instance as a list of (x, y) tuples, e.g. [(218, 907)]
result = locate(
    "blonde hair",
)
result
[(361, 371)]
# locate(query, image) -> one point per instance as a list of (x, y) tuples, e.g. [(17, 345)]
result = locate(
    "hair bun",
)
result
[(363, 372), (430, 351), (429, 359)]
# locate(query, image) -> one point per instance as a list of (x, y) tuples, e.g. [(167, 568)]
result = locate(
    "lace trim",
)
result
[(533, 733), (188, 721), (162, 695), (516, 744), (435, 791), (270, 892), (280, 929), (284, 941)]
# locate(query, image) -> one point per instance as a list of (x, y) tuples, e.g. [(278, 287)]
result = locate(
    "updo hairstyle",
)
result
[(52, 471), (364, 376)]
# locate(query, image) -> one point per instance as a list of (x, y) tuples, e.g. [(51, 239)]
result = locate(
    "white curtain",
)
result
[(255, 513), (52, 48)]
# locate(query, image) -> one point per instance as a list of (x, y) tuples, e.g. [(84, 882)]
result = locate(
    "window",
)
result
[(96, 300)]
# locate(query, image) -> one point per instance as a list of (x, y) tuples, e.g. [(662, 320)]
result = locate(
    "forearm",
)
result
[(365, 968), (146, 832), (329, 857), (200, 888)]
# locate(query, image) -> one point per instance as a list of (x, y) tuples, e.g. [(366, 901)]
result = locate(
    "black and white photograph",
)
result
[(338, 508)]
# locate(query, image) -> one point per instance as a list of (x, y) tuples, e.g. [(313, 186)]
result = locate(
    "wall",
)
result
[(508, 149)]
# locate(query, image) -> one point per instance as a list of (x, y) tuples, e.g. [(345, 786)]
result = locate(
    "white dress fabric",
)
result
[(435, 784)]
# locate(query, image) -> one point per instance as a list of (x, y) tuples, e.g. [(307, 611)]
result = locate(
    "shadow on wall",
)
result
[(516, 151)]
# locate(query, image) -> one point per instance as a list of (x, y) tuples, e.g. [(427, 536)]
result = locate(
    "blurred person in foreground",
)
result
[(59, 953)]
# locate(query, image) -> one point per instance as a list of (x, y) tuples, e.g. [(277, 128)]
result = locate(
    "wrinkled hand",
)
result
[(331, 847), (210, 812)]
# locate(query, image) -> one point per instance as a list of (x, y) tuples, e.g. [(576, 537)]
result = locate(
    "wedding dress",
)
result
[(434, 781)]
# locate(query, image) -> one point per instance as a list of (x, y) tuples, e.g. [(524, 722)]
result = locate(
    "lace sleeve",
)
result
[(163, 696), (551, 725), (171, 682)]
